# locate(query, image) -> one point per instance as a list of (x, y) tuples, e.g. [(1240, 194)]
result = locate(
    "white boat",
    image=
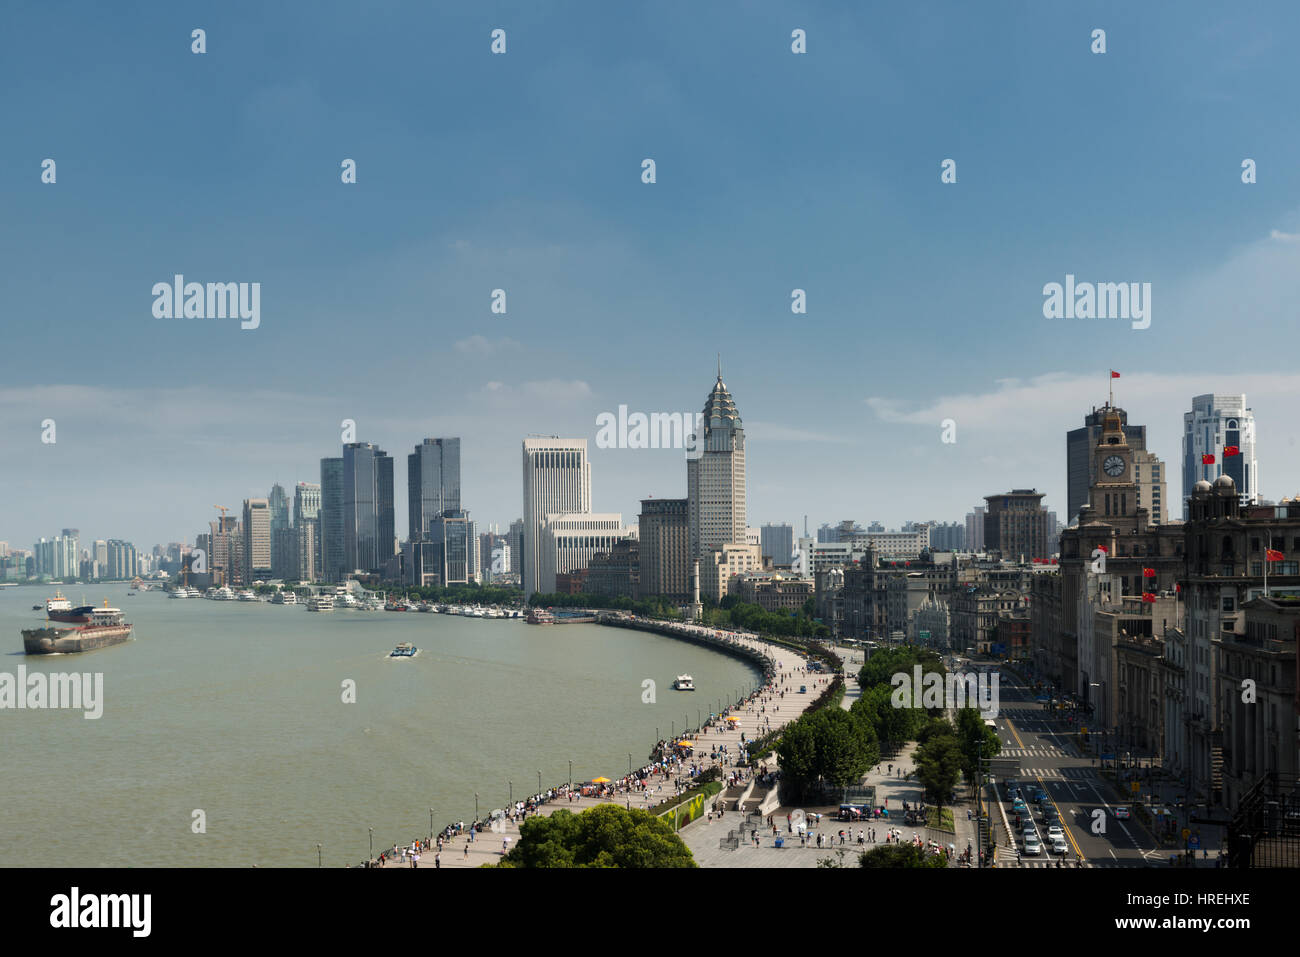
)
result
[(180, 593), (320, 603), (284, 598), (247, 595), (224, 593), (194, 592), (684, 683), (346, 600), (373, 604)]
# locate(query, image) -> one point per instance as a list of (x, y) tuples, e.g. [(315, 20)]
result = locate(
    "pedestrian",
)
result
[(467, 850), (437, 861)]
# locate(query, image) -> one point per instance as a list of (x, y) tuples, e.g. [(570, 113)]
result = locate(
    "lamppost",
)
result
[(430, 825), (372, 842), (475, 807), (512, 792), (570, 774), (318, 857), (539, 784)]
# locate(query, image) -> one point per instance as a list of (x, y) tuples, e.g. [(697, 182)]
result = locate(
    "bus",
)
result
[(991, 725)]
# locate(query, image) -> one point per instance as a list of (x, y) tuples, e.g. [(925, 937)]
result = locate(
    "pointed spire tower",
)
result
[(715, 478)]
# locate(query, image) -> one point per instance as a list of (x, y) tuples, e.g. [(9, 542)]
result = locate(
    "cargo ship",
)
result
[(106, 627), (59, 608)]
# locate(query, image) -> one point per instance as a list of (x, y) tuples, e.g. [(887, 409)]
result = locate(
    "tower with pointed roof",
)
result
[(715, 478)]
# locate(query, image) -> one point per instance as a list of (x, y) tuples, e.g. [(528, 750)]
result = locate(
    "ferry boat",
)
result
[(106, 627), (224, 593), (684, 683), (540, 616), (284, 598), (247, 595), (372, 604), (346, 600), (59, 608), (320, 603), (404, 650), (181, 592), (193, 592)]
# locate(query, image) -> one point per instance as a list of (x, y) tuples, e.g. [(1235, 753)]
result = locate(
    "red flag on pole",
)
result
[(1178, 588), (1149, 573), (1103, 548), (1273, 555), (1230, 450), (1207, 459), (1147, 596), (1114, 374)]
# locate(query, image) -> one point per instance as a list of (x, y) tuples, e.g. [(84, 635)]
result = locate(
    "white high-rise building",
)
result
[(557, 480), (1215, 422), (715, 478), (570, 540)]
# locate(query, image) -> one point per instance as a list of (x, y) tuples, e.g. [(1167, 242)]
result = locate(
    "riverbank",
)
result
[(771, 707)]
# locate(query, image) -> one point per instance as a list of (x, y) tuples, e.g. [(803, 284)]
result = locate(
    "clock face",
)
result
[(1113, 466)]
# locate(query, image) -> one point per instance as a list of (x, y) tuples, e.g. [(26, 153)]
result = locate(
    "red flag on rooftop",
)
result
[(1114, 374), (1149, 573), (1230, 450), (1147, 596), (1103, 548), (1273, 555), (1207, 459)]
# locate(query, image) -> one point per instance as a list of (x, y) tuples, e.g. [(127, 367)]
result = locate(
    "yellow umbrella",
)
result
[(685, 744), (731, 718), (600, 780)]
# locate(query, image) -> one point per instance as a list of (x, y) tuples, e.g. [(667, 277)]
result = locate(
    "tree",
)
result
[(973, 733), (605, 836), (900, 855), (938, 766)]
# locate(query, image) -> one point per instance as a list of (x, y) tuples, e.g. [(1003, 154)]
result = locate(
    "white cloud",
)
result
[(482, 346)]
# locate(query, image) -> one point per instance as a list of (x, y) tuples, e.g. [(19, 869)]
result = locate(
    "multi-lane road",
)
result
[(1048, 749)]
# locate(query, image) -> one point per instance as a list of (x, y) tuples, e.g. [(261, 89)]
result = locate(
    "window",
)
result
[(1228, 603), (1257, 568), (1254, 543)]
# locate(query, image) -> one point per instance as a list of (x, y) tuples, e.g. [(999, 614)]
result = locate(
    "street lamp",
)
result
[(512, 792), (475, 807), (430, 825), (570, 774), (318, 858), (629, 765), (372, 842), (539, 784)]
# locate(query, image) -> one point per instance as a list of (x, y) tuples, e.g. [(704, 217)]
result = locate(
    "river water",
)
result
[(236, 709)]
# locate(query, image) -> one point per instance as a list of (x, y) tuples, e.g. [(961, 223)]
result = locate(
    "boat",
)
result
[(684, 683), (424, 606), (181, 592), (106, 627), (346, 600), (59, 608), (247, 595), (284, 598), (320, 603), (404, 650), (193, 592), (372, 604), (540, 616)]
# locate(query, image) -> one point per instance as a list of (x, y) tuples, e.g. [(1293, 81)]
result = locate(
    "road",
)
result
[(1048, 749)]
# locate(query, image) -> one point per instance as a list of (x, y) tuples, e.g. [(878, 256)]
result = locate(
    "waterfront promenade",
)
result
[(774, 706)]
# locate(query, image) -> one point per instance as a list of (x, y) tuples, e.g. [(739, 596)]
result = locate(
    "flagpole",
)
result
[(1270, 547)]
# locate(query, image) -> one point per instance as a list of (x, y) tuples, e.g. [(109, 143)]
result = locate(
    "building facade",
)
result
[(1215, 422), (557, 481), (665, 548), (715, 477)]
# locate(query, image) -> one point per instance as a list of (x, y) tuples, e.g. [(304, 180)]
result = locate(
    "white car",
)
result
[(1055, 832), (1059, 847), (1032, 846)]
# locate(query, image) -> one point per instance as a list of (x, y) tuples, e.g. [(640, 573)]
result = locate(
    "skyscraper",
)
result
[(515, 542), (557, 480), (333, 565), (257, 540), (306, 528), (715, 476), (432, 483), (451, 549), (777, 542), (664, 552), (367, 508), (283, 558), (1016, 525), (1217, 421), (975, 529)]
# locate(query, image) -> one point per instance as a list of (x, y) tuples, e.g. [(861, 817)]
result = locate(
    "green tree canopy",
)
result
[(605, 836), (901, 855), (938, 767)]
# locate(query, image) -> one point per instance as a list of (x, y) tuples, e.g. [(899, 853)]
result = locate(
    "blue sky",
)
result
[(521, 171)]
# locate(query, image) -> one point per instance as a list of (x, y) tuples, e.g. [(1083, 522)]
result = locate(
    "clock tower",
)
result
[(1114, 494)]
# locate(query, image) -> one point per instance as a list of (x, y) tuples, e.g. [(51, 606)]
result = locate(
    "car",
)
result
[(1054, 832), (1122, 813), (1028, 832), (1059, 847), (1020, 807), (1040, 796), (1032, 846)]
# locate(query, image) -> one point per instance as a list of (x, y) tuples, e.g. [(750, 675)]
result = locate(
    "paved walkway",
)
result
[(769, 710)]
